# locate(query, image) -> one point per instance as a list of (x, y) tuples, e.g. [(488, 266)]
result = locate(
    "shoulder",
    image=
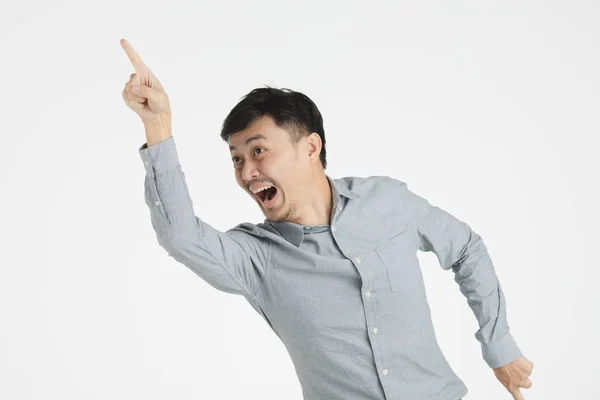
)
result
[(255, 232), (368, 184), (246, 228)]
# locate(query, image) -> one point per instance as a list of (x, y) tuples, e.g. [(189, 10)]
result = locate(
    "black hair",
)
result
[(291, 110)]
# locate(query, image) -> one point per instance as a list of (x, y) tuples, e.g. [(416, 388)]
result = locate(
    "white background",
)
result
[(490, 111)]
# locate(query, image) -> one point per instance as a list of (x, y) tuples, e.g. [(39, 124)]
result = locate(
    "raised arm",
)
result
[(233, 261)]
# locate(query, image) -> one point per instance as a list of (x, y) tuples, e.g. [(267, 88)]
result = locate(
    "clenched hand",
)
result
[(515, 375)]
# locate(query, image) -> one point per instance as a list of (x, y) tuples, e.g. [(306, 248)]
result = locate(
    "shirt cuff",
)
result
[(501, 352), (159, 157)]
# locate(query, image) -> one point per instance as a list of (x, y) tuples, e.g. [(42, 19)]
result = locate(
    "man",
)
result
[(333, 269)]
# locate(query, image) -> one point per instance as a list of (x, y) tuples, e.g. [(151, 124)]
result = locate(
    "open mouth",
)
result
[(267, 196)]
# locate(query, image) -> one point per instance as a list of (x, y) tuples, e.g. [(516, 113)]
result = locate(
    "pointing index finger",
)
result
[(134, 57)]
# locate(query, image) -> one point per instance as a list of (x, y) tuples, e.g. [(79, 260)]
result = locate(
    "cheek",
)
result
[(239, 180)]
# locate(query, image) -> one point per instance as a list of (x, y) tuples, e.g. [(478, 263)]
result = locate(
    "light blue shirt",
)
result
[(347, 299)]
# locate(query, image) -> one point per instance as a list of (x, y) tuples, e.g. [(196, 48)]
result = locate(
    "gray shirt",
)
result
[(347, 299)]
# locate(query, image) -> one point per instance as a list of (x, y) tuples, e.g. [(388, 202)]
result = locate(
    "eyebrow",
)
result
[(250, 139)]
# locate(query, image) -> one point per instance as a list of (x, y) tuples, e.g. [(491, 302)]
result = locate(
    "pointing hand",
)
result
[(150, 102)]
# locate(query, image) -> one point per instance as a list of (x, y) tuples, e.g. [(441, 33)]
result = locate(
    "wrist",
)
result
[(158, 129)]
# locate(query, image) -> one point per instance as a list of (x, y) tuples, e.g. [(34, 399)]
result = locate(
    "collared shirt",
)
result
[(346, 299)]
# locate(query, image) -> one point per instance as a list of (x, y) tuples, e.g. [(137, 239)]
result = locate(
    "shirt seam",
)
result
[(267, 270), (240, 285), (408, 211)]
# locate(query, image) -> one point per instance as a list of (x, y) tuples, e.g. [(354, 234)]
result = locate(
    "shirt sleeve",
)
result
[(233, 261), (458, 247)]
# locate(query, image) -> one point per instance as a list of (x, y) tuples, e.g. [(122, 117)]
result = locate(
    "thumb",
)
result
[(157, 99), (143, 91)]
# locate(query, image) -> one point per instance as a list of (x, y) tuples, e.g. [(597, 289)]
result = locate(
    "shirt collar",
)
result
[(294, 233)]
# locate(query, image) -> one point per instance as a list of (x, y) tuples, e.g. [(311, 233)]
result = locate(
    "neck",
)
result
[(317, 209)]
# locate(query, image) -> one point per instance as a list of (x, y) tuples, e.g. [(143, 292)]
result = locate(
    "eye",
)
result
[(256, 148)]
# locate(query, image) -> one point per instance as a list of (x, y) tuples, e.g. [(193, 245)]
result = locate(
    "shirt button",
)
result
[(340, 208), (375, 330), (368, 294), (357, 260), (384, 371), (146, 162), (157, 202), (333, 229)]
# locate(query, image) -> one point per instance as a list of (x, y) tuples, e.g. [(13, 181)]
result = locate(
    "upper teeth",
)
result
[(261, 188)]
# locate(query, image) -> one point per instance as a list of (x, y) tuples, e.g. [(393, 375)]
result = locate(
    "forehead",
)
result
[(263, 129), (252, 137)]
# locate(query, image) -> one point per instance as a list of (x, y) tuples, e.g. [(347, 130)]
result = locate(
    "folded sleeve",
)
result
[(233, 261), (459, 248)]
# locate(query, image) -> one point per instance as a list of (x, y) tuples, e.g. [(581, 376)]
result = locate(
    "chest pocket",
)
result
[(399, 255)]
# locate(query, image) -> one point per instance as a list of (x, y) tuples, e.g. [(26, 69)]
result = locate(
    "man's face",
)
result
[(270, 160)]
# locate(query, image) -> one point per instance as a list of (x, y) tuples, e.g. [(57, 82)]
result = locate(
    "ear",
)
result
[(314, 146)]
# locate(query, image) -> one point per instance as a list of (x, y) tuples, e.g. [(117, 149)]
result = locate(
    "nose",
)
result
[(249, 171)]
